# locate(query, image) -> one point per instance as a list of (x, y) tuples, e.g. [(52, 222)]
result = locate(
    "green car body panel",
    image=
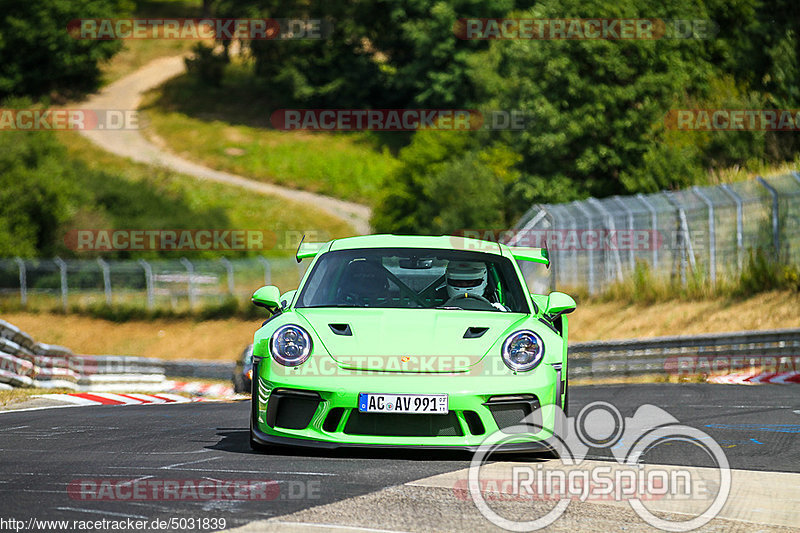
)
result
[(404, 351)]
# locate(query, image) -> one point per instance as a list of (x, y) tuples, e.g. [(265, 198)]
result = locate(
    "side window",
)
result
[(312, 292)]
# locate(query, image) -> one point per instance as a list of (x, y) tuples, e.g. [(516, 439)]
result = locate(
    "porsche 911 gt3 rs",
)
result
[(410, 341)]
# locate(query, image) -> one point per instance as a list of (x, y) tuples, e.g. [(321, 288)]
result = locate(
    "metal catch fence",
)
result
[(175, 284), (705, 231)]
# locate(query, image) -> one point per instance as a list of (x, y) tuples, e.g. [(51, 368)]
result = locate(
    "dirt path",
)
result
[(126, 93)]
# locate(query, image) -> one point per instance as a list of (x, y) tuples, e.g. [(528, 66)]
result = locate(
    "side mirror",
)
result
[(559, 303), (287, 297), (268, 297)]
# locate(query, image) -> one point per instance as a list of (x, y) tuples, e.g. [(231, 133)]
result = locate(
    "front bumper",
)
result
[(322, 412)]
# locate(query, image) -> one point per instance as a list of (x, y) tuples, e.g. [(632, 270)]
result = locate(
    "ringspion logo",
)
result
[(701, 492)]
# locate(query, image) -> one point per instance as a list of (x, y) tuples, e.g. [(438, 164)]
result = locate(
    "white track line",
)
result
[(67, 398), (309, 525), (108, 513)]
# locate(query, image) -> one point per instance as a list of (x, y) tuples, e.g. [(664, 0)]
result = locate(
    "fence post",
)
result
[(654, 224), (106, 279), (590, 253), (613, 229), (190, 285), (529, 225), (776, 236), (629, 217), (23, 281), (229, 268), (739, 223), (686, 239), (555, 266), (267, 270), (712, 235), (62, 266), (148, 281)]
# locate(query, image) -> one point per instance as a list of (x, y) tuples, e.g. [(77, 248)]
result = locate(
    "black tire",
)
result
[(257, 446)]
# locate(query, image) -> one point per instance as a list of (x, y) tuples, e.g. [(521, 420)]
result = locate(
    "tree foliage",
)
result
[(39, 56)]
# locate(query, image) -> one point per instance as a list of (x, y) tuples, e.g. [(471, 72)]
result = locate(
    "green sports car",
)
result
[(410, 341)]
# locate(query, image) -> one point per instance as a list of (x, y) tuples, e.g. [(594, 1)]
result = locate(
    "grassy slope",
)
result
[(193, 203), (227, 128), (224, 339)]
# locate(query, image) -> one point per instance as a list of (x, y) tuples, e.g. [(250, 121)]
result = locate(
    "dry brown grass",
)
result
[(19, 394), (224, 339), (614, 320), (221, 340)]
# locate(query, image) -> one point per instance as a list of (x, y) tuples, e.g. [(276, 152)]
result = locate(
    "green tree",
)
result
[(38, 55)]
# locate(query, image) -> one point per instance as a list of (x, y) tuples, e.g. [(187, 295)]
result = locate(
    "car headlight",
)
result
[(290, 345), (523, 351)]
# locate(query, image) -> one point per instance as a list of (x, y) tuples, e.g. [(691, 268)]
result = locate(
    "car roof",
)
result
[(445, 242)]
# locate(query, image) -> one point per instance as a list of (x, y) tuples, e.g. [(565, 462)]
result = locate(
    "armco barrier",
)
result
[(198, 369), (714, 353), (25, 363)]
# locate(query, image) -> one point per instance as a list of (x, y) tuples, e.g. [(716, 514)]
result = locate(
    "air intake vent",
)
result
[(291, 409), (341, 329), (474, 333), (510, 411)]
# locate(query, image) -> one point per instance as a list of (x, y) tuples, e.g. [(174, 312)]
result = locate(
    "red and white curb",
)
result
[(199, 388), (107, 398), (779, 378)]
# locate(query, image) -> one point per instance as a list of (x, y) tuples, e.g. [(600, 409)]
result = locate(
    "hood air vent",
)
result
[(474, 333), (341, 329)]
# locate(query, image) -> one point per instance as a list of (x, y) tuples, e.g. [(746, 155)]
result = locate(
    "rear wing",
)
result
[(308, 249), (536, 255)]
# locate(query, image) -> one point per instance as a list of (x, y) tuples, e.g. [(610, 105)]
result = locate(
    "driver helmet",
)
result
[(466, 278)]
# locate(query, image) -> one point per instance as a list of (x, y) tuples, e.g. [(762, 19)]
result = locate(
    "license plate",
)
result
[(433, 404)]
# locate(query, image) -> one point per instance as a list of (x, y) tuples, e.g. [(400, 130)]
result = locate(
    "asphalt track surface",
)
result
[(43, 451)]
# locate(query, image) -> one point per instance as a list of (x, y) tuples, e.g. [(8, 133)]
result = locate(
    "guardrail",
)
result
[(715, 353), (24, 362)]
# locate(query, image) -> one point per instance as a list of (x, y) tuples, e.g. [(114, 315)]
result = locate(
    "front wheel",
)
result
[(257, 446)]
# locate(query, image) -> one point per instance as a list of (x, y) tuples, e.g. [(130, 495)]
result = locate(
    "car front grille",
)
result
[(403, 425)]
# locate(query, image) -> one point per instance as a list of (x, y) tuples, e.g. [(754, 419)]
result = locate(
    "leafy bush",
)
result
[(207, 64)]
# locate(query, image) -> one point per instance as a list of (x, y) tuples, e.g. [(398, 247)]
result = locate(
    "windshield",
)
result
[(414, 278)]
